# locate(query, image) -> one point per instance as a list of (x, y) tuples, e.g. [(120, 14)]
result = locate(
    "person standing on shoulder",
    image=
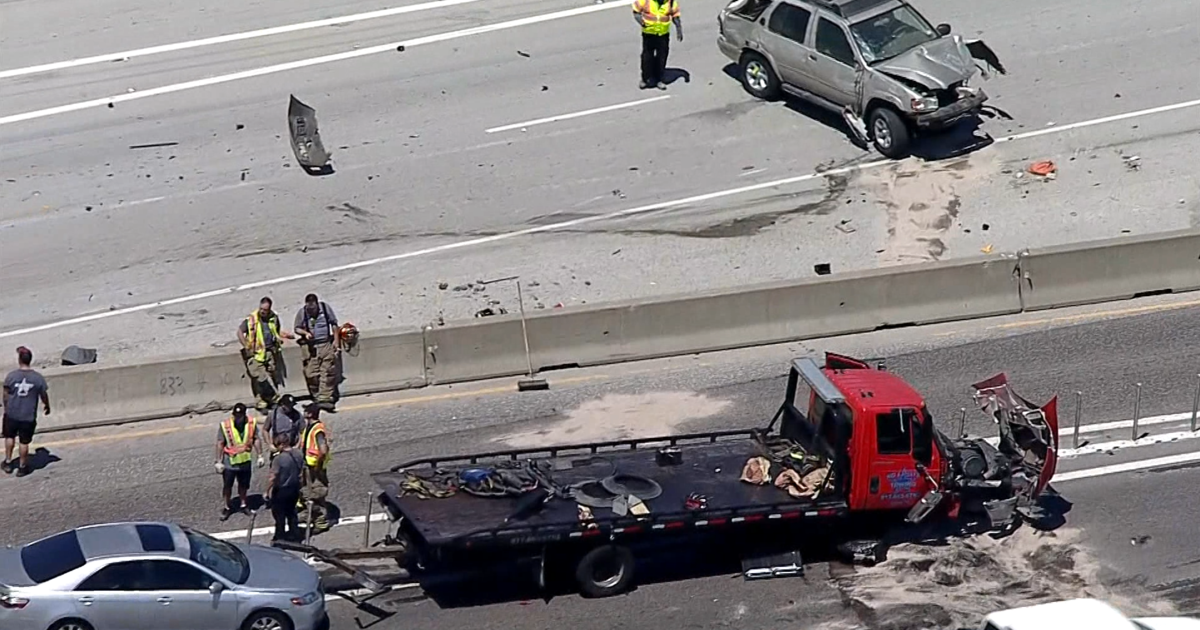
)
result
[(317, 330), (283, 489), (261, 342), (284, 422), (316, 461), (655, 18), (23, 389), (236, 438)]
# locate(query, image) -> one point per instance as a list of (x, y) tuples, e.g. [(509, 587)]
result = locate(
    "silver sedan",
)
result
[(155, 576)]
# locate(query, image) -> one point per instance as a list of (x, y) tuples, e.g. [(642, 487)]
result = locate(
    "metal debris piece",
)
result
[(987, 249), (822, 269), (306, 139), (153, 145), (523, 53), (1133, 162)]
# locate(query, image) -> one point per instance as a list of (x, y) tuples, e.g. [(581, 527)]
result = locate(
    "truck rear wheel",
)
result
[(605, 571)]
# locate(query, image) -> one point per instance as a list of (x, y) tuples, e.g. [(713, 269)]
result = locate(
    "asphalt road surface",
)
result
[(1129, 503), (437, 161)]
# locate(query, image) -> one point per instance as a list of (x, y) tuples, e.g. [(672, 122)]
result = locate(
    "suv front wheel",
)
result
[(758, 78), (889, 133)]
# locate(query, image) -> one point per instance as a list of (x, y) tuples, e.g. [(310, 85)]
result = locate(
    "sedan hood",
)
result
[(937, 64), (12, 571), (275, 570)]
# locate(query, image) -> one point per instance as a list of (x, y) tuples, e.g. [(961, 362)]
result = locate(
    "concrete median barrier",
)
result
[(1113, 269), (95, 396), (776, 312)]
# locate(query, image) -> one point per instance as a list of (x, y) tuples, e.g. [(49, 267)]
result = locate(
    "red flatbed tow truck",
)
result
[(587, 512)]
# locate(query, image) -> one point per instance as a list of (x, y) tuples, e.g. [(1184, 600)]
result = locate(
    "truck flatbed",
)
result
[(711, 465)]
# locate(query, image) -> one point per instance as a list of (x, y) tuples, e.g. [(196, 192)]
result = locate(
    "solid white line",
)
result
[(1158, 462), (1100, 121), (314, 61), (240, 534), (586, 112), (654, 207), (225, 39)]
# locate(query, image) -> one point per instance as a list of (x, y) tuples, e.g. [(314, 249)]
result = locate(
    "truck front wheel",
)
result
[(605, 571)]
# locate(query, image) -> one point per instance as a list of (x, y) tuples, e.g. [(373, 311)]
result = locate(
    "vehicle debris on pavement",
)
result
[(1043, 168), (306, 138)]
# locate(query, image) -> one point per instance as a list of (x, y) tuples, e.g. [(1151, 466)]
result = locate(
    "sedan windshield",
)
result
[(889, 34), (218, 556)]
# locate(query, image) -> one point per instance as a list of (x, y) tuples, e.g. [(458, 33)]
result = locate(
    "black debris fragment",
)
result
[(523, 53), (822, 269), (545, 88), (443, 285), (153, 145), (239, 127), (400, 48)]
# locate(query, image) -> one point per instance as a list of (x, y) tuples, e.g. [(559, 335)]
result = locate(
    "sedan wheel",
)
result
[(268, 620)]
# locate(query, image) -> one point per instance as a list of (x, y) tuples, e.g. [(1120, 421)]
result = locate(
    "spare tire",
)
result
[(643, 488)]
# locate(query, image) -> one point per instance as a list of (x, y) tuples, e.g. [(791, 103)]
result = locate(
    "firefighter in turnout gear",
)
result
[(316, 447), (262, 342), (318, 333)]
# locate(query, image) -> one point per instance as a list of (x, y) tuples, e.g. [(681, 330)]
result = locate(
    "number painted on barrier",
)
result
[(171, 386)]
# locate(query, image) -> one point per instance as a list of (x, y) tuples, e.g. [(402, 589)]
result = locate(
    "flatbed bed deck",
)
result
[(712, 466)]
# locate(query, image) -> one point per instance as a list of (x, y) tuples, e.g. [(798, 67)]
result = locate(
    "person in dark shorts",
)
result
[(283, 489), (23, 389), (236, 438)]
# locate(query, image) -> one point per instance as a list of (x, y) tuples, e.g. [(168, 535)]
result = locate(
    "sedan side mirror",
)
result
[(215, 588), (943, 29)]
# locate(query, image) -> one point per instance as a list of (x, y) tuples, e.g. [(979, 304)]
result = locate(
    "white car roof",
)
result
[(1074, 613)]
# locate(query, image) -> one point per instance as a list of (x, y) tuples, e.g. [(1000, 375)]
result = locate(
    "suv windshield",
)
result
[(889, 34), (218, 556)]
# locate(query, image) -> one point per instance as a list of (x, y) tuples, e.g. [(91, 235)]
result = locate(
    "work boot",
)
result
[(643, 85), (7, 467), (23, 470), (226, 513), (661, 85)]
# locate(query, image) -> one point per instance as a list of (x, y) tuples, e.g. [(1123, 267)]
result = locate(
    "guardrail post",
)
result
[(1137, 410), (308, 529), (1079, 413), (962, 422), (1196, 402), (367, 523), (250, 529)]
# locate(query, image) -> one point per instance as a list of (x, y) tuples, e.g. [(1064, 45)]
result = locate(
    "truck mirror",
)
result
[(943, 29)]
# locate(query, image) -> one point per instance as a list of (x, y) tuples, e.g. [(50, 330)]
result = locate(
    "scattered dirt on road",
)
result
[(925, 587), (923, 201), (622, 416)]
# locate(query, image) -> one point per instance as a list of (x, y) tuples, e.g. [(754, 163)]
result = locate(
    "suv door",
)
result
[(783, 42), (185, 601), (116, 596), (834, 63)]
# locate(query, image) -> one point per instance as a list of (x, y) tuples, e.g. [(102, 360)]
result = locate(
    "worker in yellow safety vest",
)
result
[(655, 18), (262, 341), (316, 467), (237, 437)]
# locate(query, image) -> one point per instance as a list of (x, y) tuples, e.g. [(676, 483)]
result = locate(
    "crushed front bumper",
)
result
[(968, 105)]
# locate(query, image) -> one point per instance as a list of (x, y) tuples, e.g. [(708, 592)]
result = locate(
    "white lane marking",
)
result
[(234, 37), (1100, 121), (313, 61), (586, 112), (1116, 445), (1114, 469), (240, 534), (654, 207)]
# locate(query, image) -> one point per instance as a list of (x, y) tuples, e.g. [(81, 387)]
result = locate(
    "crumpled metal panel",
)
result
[(936, 65), (306, 139), (1027, 432)]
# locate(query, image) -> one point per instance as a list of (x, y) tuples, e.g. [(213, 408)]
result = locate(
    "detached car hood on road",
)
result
[(937, 64)]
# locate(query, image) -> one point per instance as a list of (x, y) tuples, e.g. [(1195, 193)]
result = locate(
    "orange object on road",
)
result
[(1044, 168)]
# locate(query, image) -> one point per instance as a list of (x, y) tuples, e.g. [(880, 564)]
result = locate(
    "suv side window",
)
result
[(893, 432), (790, 21), (832, 42)]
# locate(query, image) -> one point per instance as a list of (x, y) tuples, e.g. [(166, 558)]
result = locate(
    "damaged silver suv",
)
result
[(878, 63)]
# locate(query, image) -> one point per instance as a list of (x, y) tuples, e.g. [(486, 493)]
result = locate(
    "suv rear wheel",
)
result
[(758, 78), (889, 133)]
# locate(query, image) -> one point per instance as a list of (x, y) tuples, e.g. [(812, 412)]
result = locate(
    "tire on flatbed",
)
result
[(605, 571)]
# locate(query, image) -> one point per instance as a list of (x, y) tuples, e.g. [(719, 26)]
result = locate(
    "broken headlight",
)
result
[(924, 104)]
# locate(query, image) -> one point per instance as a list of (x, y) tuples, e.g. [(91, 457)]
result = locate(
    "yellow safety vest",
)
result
[(312, 450), (656, 15), (257, 345), (237, 446)]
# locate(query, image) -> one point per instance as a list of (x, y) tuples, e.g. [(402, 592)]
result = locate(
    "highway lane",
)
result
[(418, 174)]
